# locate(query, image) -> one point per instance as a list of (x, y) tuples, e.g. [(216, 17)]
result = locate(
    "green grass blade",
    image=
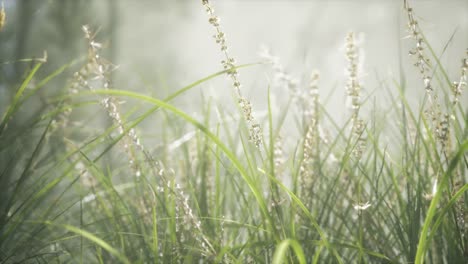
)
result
[(281, 251), (91, 237), (423, 239), (16, 99)]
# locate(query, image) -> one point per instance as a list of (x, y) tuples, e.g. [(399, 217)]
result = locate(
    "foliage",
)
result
[(225, 188)]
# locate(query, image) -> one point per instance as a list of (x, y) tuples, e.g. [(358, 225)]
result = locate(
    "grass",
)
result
[(226, 188)]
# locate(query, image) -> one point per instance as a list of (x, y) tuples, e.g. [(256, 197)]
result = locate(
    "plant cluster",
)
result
[(74, 192)]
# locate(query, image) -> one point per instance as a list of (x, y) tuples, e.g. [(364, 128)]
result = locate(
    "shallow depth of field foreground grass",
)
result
[(388, 185)]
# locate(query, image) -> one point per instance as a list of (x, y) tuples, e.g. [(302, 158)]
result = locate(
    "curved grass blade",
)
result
[(282, 250), (91, 237), (16, 99), (423, 239)]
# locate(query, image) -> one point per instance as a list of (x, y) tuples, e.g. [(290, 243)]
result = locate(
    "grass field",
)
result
[(388, 185)]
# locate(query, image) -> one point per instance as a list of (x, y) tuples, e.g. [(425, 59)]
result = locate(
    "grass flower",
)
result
[(229, 65), (281, 77), (422, 61), (460, 85), (278, 153), (353, 90), (362, 206), (311, 149), (97, 72), (439, 121), (353, 86), (191, 221)]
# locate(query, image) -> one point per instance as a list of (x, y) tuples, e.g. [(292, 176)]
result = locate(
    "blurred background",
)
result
[(160, 46)]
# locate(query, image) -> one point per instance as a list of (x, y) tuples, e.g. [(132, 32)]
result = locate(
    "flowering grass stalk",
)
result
[(229, 64), (353, 89)]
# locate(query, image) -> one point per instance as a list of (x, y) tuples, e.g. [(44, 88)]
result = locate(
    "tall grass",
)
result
[(226, 189)]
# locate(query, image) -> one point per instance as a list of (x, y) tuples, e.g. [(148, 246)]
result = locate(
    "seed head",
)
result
[(422, 62), (230, 67), (353, 90), (362, 206)]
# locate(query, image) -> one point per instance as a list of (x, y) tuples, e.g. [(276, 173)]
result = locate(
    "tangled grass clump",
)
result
[(214, 192)]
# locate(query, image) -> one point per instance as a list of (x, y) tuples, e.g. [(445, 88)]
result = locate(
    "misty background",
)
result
[(161, 46)]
